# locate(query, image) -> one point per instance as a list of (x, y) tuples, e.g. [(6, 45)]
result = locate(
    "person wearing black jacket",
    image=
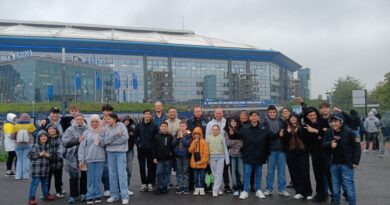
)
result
[(314, 129), (162, 153), (54, 118), (130, 125), (345, 149), (145, 132), (256, 148), (295, 145)]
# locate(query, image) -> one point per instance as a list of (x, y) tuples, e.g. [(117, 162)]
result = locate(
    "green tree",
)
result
[(381, 93), (342, 94)]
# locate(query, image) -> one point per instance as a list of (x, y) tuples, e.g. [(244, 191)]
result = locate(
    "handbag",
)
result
[(197, 157)]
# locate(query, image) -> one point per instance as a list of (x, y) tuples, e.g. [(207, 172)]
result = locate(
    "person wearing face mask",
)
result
[(71, 140), (345, 150)]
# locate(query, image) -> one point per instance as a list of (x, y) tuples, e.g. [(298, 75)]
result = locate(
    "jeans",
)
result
[(343, 176), (163, 173), (247, 176), (236, 170), (23, 163), (77, 183), (217, 164), (182, 173), (94, 177), (276, 160), (57, 173), (34, 185), (117, 173), (105, 177), (145, 157), (130, 156), (11, 159), (199, 176)]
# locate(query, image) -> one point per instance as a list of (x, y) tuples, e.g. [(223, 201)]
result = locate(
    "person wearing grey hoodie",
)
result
[(71, 141), (116, 146), (91, 152), (371, 125)]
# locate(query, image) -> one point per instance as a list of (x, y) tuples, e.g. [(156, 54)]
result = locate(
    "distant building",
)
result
[(139, 65), (304, 77), (295, 86)]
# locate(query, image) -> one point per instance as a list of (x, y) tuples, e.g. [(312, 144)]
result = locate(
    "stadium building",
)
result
[(131, 64)]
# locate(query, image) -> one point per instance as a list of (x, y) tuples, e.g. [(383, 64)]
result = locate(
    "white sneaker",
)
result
[(365, 151), (381, 155), (215, 194), (130, 193), (143, 188), (220, 192), (236, 193), (201, 192), (150, 187), (60, 195), (243, 195), (125, 201), (173, 173), (110, 200), (298, 196), (309, 198), (196, 191), (260, 194), (267, 192), (106, 193), (284, 193)]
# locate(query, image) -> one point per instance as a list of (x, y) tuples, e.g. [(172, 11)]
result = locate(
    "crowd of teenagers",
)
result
[(207, 156)]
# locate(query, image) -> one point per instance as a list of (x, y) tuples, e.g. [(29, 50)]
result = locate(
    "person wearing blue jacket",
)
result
[(181, 143)]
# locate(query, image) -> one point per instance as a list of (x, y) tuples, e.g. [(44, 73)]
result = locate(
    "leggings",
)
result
[(10, 160)]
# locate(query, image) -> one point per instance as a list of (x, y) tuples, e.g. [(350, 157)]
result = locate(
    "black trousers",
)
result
[(77, 183), (11, 159), (145, 160), (319, 168), (57, 173), (226, 180), (300, 173)]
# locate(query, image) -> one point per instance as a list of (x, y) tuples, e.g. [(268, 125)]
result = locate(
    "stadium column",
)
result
[(232, 95), (146, 76), (170, 82)]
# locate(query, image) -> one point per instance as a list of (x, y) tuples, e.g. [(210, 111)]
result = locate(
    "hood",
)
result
[(198, 130), (95, 117), (371, 115), (373, 110), (11, 117), (24, 117), (309, 110), (40, 133), (337, 116)]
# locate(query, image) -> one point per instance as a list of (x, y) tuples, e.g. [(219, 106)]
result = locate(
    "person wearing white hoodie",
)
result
[(9, 143), (371, 125)]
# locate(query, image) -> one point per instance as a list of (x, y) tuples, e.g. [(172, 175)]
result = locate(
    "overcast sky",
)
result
[(334, 38)]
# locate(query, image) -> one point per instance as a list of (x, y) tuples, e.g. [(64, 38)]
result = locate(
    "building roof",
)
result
[(75, 37)]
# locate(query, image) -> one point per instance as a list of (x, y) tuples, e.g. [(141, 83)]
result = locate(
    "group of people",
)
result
[(100, 150)]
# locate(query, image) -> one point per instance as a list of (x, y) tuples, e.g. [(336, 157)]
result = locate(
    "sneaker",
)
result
[(173, 173), (59, 195), (90, 201), (9, 174), (236, 193), (32, 202), (260, 194), (98, 200), (227, 189), (298, 196), (63, 192), (143, 188), (150, 187), (164, 190), (381, 155), (220, 192), (284, 193), (71, 200), (125, 201), (201, 192), (267, 192), (49, 197), (243, 195), (215, 194), (186, 191), (365, 151), (290, 185), (106, 193), (83, 198), (309, 198), (111, 199), (320, 198), (180, 191), (130, 193), (196, 191)]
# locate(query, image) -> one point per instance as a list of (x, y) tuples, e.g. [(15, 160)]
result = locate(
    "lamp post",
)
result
[(63, 96)]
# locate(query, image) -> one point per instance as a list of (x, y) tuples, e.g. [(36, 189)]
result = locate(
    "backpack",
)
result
[(22, 136)]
